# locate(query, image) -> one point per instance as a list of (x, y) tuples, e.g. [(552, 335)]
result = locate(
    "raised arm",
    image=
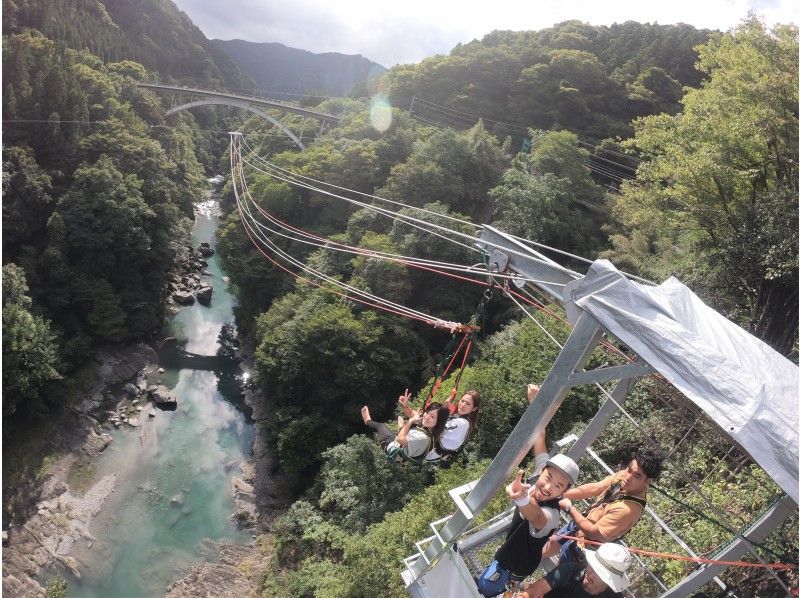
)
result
[(449, 401), (540, 442), (404, 400), (591, 489), (589, 529)]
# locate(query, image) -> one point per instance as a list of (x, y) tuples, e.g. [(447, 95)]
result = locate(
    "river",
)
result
[(174, 482)]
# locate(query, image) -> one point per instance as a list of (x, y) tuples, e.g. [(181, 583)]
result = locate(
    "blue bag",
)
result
[(493, 580)]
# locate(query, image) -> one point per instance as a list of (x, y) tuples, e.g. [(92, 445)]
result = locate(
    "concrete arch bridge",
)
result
[(254, 104)]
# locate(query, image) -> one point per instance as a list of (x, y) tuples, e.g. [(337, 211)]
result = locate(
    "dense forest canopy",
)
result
[(588, 79), (698, 130), (550, 194), (715, 200), (153, 33)]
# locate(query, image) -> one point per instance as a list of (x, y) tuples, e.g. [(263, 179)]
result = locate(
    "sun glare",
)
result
[(380, 114)]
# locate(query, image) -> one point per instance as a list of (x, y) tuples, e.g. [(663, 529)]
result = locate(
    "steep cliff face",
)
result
[(152, 32), (279, 70)]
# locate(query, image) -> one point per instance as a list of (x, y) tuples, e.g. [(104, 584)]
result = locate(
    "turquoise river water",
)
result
[(174, 487)]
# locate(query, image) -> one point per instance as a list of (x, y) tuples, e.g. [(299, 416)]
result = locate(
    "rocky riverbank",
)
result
[(63, 513), (235, 572), (186, 283)]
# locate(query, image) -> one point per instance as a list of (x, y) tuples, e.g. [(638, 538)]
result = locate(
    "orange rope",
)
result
[(679, 557)]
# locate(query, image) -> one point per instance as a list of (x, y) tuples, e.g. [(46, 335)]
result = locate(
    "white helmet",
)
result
[(567, 466)]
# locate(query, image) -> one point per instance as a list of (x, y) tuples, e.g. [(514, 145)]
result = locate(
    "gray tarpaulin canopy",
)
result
[(746, 387)]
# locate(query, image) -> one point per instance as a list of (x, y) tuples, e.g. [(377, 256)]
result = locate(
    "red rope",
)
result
[(679, 557), (441, 378), (319, 285), (463, 365)]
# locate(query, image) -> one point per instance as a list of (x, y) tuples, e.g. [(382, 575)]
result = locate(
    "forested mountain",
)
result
[(97, 185), (280, 71), (153, 33), (588, 79)]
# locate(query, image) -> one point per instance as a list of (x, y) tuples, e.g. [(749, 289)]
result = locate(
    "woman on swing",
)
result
[(461, 423), (416, 436)]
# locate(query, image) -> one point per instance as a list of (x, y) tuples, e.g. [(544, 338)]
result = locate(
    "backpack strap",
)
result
[(640, 501)]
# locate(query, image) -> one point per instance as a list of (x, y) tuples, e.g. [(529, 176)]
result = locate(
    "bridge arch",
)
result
[(244, 106)]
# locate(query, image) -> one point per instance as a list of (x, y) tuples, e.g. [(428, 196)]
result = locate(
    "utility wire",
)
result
[(289, 173), (330, 244), (361, 193), (426, 226), (369, 298)]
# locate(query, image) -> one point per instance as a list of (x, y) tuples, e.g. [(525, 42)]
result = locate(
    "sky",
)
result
[(405, 31)]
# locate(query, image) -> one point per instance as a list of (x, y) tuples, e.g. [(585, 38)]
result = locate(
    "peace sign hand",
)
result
[(517, 489)]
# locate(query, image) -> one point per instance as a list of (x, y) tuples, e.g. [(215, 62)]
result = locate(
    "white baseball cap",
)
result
[(566, 465), (610, 562)]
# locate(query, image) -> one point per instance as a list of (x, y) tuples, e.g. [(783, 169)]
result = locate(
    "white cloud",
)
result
[(408, 31)]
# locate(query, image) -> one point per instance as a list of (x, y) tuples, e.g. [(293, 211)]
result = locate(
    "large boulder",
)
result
[(204, 293), (183, 297), (96, 443), (161, 395), (205, 250)]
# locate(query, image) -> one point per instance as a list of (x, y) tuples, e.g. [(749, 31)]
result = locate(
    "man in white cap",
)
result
[(536, 516), (602, 576)]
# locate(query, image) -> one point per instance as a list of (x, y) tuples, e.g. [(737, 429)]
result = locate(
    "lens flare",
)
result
[(380, 114)]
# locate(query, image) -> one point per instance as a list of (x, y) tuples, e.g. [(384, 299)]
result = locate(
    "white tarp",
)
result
[(447, 578), (745, 386)]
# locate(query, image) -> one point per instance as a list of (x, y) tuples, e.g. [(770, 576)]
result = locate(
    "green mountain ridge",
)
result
[(280, 70), (152, 32)]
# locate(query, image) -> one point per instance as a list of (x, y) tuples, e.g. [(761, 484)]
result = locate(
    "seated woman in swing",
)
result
[(415, 436), (461, 423)]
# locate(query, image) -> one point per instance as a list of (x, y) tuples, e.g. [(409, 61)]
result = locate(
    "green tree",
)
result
[(302, 342), (29, 347), (716, 200), (357, 486), (654, 91), (456, 169), (550, 196), (27, 200), (57, 588)]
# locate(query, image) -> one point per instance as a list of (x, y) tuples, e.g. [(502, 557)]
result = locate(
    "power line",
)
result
[(363, 194), (518, 127), (329, 244), (367, 298), (426, 226)]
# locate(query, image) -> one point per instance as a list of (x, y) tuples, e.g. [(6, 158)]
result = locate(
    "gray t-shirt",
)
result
[(418, 443)]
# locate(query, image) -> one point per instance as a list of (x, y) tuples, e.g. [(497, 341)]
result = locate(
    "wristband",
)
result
[(523, 502)]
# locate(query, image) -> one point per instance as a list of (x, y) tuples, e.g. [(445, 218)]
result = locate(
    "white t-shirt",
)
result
[(418, 443), (453, 437)]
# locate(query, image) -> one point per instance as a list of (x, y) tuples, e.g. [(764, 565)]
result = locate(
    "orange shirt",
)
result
[(614, 518)]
